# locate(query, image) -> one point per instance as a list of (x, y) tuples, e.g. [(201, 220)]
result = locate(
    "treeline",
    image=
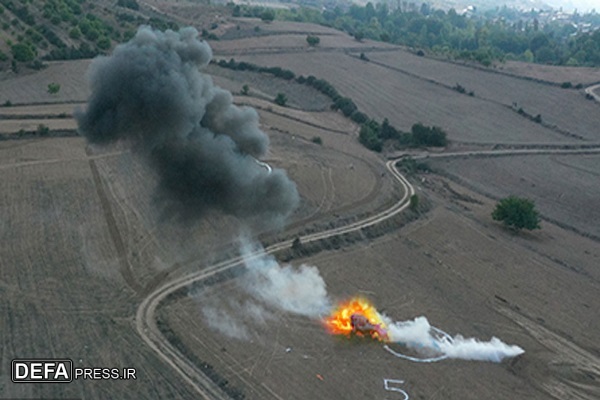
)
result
[(372, 134), (493, 36), (344, 104)]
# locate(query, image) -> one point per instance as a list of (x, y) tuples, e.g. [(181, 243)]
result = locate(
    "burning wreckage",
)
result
[(359, 317)]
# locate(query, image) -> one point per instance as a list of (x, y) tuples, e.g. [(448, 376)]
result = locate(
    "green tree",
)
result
[(22, 52), (281, 99), (75, 33), (103, 43), (414, 202), (245, 90), (517, 213), (369, 138), (267, 16), (313, 40), (53, 88)]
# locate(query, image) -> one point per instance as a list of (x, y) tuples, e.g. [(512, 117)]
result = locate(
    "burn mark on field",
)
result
[(115, 235)]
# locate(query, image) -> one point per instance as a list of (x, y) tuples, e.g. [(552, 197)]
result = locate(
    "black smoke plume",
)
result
[(151, 94)]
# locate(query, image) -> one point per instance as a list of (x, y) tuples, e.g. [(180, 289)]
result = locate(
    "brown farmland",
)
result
[(84, 243), (405, 100)]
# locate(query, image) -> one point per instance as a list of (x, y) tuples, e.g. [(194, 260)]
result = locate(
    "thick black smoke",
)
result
[(151, 94)]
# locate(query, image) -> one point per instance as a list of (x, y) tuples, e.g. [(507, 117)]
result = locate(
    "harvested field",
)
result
[(326, 120), (405, 100), (31, 125), (277, 27), (564, 188), (551, 73), (39, 111), (62, 294), (568, 109), (267, 87), (283, 42), (33, 88), (247, 29), (450, 269)]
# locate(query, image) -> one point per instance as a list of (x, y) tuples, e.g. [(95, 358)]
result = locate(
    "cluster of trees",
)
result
[(486, 37), (89, 33), (131, 4), (373, 135)]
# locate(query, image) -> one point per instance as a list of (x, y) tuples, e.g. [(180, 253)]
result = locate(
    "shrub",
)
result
[(317, 140), (245, 90), (42, 130), (313, 40), (53, 88), (414, 202), (281, 99), (459, 88)]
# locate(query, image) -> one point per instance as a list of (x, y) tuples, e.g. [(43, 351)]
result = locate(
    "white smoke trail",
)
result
[(299, 290), (472, 349), (419, 335)]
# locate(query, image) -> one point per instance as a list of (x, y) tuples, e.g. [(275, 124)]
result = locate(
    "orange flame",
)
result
[(339, 322)]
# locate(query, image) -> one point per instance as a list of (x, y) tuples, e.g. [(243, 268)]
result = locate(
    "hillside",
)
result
[(38, 30)]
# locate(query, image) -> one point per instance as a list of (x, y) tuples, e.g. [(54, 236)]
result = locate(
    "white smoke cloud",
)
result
[(419, 335), (299, 290), (225, 323)]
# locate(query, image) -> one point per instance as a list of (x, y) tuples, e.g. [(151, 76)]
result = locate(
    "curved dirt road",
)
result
[(591, 91), (145, 317)]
